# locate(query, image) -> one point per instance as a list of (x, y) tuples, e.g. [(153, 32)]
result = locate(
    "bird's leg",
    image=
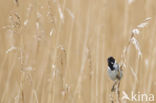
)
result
[(113, 87), (118, 85)]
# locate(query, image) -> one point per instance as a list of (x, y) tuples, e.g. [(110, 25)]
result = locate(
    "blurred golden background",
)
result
[(55, 51)]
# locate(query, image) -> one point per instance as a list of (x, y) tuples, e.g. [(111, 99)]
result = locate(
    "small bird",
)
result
[(114, 71)]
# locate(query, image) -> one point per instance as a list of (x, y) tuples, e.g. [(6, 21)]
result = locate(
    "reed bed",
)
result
[(56, 51)]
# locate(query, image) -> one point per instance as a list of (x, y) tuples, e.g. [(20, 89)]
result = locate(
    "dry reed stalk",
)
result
[(133, 40), (14, 22), (60, 65), (51, 14), (124, 55), (85, 54), (91, 71)]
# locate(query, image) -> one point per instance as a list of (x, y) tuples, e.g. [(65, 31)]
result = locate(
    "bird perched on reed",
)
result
[(114, 70)]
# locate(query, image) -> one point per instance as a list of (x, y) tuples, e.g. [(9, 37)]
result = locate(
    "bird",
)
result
[(114, 70)]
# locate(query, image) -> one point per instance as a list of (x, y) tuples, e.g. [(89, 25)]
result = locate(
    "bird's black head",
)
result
[(111, 62)]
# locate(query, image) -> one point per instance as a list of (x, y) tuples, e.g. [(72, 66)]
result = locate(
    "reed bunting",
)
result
[(114, 71)]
